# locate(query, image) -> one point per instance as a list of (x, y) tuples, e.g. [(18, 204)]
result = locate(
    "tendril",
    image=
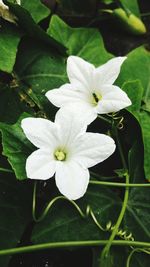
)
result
[(118, 119), (88, 213)]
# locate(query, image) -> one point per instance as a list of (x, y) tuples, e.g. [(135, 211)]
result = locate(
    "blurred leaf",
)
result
[(90, 47), (9, 40), (16, 147), (15, 210)]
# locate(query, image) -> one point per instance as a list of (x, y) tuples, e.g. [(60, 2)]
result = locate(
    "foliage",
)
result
[(33, 62)]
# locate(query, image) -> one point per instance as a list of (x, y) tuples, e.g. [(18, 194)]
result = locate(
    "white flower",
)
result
[(66, 150), (6, 14), (90, 89)]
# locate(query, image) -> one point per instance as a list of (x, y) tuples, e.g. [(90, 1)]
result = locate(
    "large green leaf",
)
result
[(15, 210), (9, 40), (86, 43), (42, 69), (16, 147), (64, 223), (137, 66)]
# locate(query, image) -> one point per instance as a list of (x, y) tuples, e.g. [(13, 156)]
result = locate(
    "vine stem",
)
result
[(118, 184), (106, 249), (88, 243)]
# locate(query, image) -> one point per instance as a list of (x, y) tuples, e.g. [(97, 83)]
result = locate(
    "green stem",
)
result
[(72, 244), (5, 170), (119, 184)]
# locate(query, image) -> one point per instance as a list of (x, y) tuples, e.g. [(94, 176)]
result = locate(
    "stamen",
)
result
[(96, 97), (60, 155)]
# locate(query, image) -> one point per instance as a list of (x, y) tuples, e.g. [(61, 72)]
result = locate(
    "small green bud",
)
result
[(130, 22)]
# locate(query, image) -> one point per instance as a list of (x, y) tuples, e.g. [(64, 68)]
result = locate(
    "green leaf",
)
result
[(15, 210), (90, 47), (9, 40), (12, 104), (134, 91), (16, 147), (137, 67), (42, 69), (64, 218), (37, 10), (30, 27)]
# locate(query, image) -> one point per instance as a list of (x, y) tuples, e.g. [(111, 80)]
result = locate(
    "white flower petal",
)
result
[(71, 123), (80, 72), (107, 73), (41, 132), (40, 165), (67, 94), (71, 179), (92, 148), (113, 100)]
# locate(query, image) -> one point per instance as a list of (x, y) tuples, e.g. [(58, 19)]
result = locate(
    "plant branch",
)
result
[(88, 243)]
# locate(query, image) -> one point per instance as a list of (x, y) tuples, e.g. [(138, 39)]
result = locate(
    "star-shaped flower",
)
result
[(91, 89), (66, 150)]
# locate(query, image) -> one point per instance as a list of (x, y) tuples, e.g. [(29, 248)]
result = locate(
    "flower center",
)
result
[(60, 155), (96, 97)]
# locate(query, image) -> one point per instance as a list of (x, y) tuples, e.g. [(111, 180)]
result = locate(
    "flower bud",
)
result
[(130, 22)]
